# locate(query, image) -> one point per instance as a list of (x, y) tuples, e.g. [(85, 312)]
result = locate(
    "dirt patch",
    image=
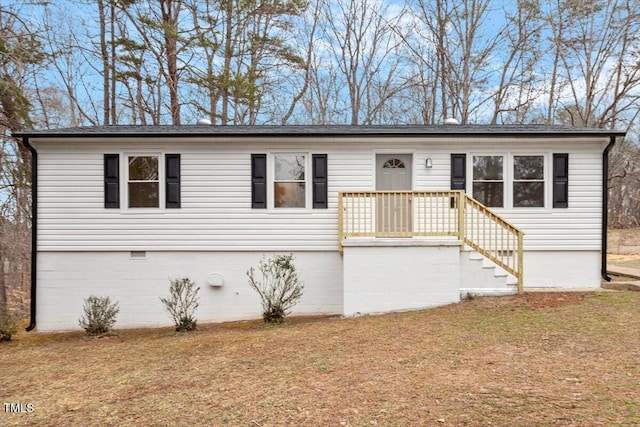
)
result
[(537, 300), (622, 285)]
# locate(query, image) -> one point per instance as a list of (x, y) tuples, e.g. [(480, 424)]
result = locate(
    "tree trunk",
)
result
[(226, 71), (105, 63), (170, 12)]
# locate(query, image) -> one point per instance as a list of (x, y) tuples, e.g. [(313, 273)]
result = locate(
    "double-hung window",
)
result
[(289, 181), (143, 181), (488, 180), (528, 181), (292, 180), (146, 181), (514, 180)]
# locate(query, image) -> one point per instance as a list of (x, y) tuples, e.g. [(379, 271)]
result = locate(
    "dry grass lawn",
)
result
[(624, 248), (539, 359)]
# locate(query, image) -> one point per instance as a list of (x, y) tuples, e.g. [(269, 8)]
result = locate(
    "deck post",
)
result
[(520, 262), (340, 222), (461, 218)]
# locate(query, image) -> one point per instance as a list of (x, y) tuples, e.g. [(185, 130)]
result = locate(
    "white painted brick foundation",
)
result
[(372, 276), (399, 274), (562, 269), (65, 279)]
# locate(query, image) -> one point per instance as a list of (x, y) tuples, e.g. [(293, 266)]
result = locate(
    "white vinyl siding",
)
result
[(216, 211), (578, 227)]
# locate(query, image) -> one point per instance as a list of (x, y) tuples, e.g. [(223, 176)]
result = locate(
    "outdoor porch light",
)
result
[(428, 163)]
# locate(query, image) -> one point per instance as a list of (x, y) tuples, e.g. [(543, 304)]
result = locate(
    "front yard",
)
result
[(537, 359)]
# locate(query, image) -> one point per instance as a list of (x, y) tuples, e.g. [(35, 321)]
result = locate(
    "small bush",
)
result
[(8, 325), (99, 315), (182, 303), (278, 286)]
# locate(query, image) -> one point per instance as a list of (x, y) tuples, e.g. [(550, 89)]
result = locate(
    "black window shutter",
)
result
[(111, 181), (458, 171), (458, 175), (259, 181), (560, 180), (320, 200), (172, 181)]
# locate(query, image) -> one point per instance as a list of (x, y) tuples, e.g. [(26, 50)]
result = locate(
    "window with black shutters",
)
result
[(148, 182), (293, 178)]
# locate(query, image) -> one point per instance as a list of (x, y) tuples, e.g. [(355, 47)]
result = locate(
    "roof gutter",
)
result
[(34, 229), (605, 205), (347, 131)]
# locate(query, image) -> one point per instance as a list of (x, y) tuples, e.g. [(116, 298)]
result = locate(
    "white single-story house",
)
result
[(379, 218)]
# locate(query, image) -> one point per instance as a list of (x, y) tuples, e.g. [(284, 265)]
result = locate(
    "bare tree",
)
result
[(21, 52), (71, 65), (624, 183), (366, 50), (597, 45), (309, 30), (106, 60), (463, 45), (321, 102), (519, 54)]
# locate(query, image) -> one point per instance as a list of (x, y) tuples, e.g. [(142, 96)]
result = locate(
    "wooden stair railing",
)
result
[(432, 213), (492, 236)]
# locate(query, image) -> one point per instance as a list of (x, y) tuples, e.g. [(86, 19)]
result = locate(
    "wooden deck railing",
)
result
[(432, 213)]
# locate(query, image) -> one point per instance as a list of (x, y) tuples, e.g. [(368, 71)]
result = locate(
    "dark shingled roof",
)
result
[(318, 130)]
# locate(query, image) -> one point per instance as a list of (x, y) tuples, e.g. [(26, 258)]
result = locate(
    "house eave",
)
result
[(140, 131)]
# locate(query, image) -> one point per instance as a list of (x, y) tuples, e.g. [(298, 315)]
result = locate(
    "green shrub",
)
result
[(182, 303), (278, 286), (8, 325), (99, 315)]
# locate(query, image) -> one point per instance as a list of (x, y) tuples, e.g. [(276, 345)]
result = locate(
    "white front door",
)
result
[(394, 212)]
